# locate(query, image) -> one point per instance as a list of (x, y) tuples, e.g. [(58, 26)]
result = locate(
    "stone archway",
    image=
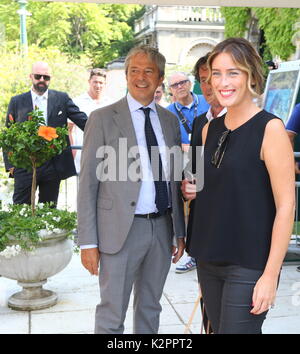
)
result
[(195, 50)]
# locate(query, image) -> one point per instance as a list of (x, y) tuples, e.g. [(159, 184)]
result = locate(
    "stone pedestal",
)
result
[(31, 270), (32, 297)]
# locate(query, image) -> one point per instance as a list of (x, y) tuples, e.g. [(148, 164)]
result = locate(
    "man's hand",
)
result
[(177, 252), (188, 189), (185, 147), (11, 171), (90, 259)]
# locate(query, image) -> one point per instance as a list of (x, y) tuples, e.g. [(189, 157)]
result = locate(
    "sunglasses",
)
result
[(181, 83), (218, 155), (38, 77)]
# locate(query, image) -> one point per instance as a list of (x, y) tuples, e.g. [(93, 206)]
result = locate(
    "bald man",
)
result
[(57, 107)]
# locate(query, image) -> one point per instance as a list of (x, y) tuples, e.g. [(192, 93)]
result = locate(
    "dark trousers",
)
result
[(47, 182), (227, 293)]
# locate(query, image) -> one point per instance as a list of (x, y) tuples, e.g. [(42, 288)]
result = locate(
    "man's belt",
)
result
[(153, 215)]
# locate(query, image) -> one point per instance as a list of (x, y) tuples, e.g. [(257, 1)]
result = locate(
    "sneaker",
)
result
[(298, 269), (186, 267)]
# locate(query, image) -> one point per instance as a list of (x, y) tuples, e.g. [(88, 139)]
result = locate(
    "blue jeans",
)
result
[(227, 294)]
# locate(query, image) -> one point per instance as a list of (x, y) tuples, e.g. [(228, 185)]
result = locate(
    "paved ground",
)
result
[(78, 295)]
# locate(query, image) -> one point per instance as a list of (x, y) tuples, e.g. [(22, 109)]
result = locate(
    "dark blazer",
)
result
[(60, 108)]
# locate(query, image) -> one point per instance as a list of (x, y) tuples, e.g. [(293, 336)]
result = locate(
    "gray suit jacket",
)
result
[(106, 208)]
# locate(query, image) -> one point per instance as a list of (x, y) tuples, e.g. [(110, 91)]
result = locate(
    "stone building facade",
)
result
[(182, 33)]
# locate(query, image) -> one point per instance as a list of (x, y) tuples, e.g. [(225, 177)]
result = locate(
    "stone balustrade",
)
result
[(178, 14)]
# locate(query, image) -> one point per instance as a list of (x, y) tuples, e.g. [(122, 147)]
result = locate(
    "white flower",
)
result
[(57, 219), (57, 231), (11, 251), (43, 233), (48, 226), (23, 212)]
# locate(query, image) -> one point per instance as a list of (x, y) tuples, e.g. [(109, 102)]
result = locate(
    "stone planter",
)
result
[(31, 270)]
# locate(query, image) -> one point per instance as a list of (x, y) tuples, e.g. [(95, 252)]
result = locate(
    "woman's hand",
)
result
[(188, 189), (264, 294)]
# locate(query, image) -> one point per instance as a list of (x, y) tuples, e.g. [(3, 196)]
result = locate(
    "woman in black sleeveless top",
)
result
[(244, 214)]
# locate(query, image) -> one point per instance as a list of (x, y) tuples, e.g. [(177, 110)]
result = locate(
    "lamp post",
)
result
[(23, 33)]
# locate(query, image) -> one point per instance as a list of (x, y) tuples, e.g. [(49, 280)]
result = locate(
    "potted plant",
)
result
[(34, 239)]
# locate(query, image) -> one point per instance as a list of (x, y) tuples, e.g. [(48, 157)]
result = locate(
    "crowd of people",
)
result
[(235, 228)]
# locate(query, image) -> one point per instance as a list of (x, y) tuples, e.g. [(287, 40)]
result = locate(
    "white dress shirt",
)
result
[(40, 101), (209, 115), (146, 201)]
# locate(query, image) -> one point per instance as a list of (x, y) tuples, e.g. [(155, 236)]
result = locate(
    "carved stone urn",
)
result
[(31, 270)]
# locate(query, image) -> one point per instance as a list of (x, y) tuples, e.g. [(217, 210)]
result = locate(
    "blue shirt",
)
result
[(293, 123), (198, 106)]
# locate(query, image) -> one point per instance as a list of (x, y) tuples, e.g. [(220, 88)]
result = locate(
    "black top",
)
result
[(235, 211), (196, 138)]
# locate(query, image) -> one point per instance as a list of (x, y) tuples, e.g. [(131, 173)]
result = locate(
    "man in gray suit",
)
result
[(127, 220)]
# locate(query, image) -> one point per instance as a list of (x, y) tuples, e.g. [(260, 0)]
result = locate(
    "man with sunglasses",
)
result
[(57, 107), (187, 107)]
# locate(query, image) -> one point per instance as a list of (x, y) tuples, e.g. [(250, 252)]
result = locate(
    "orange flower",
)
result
[(29, 117), (47, 133), (11, 118)]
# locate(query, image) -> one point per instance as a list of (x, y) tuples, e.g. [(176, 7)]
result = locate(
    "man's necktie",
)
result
[(161, 196)]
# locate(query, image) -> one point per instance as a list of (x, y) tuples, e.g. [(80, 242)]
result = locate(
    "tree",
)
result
[(10, 19), (277, 25), (100, 31), (236, 19)]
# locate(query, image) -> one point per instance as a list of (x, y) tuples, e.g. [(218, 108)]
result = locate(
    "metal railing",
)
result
[(179, 14), (295, 239), (69, 190)]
